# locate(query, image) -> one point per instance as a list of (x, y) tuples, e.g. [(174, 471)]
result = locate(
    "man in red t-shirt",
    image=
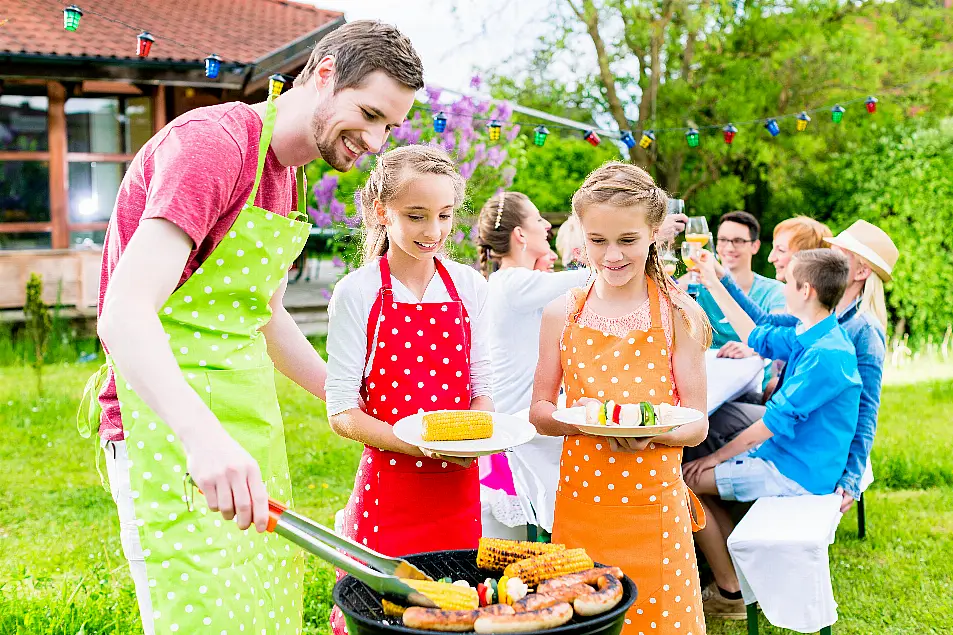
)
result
[(178, 201)]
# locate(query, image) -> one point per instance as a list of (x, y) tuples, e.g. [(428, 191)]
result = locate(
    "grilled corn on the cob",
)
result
[(495, 554), (449, 597), (534, 570), (459, 425)]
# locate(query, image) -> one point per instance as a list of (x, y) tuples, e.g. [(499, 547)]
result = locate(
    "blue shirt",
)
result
[(766, 293), (813, 415), (870, 344)]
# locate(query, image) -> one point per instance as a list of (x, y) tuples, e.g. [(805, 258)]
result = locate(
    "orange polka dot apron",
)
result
[(403, 504), (632, 510)]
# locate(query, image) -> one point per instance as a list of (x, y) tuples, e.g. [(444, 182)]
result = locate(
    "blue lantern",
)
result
[(439, 122), (772, 127), (628, 139), (213, 64)]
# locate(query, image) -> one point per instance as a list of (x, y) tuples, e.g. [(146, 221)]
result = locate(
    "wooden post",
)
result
[(59, 166), (159, 116)]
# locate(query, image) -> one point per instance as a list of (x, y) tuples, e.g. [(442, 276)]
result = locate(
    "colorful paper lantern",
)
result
[(592, 137), (628, 139), (71, 16), (647, 138), (144, 44), (213, 64), (772, 127), (276, 84), (539, 135), (837, 113), (440, 122), (692, 137), (729, 131), (495, 128), (871, 103), (802, 120)]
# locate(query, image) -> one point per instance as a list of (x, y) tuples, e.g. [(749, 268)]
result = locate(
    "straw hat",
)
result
[(870, 243)]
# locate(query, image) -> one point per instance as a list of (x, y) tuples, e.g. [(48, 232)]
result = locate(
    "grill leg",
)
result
[(752, 610), (826, 630), (861, 518)]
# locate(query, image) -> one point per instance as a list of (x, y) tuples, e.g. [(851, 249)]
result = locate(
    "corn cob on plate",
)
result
[(505, 432)]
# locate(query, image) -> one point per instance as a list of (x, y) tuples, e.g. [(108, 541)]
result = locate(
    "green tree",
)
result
[(38, 325)]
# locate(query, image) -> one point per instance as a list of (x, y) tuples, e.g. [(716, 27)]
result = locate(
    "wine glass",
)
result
[(689, 253), (697, 230), (669, 261)]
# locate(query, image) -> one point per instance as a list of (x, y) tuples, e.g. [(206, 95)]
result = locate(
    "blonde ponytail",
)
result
[(872, 300)]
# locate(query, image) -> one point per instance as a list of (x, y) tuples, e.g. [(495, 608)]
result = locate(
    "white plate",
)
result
[(508, 432), (577, 417)]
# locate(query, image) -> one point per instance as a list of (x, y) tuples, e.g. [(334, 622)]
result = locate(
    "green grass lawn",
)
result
[(61, 569)]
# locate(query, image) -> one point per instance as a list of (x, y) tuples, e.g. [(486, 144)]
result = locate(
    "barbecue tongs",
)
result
[(325, 544)]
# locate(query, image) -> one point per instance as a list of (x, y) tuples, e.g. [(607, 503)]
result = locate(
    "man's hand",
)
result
[(735, 350), (673, 225), (847, 501), (227, 475)]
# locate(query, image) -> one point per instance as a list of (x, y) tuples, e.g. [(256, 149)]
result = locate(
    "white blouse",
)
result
[(517, 297), (350, 306)]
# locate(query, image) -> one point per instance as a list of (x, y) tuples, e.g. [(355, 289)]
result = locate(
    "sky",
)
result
[(453, 37)]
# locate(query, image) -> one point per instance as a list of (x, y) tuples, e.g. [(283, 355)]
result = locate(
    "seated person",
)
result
[(801, 444), (737, 243)]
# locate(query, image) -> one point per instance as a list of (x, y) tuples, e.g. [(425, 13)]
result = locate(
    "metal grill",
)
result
[(362, 606)]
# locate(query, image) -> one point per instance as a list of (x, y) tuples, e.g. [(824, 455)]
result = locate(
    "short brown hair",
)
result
[(806, 233), (389, 178), (363, 47), (743, 218), (826, 270)]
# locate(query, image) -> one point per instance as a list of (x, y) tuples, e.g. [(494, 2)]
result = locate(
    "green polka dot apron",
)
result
[(204, 574)]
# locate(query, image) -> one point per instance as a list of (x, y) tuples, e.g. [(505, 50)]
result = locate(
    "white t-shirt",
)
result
[(517, 298), (350, 306)]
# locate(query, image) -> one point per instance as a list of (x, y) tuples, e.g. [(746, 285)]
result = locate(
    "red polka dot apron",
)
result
[(632, 510), (421, 362)]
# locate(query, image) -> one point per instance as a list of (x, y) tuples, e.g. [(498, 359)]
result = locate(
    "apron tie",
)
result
[(89, 412), (695, 511)]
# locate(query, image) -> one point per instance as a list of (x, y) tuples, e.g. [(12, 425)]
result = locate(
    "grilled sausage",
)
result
[(450, 621), (526, 622), (606, 598), (589, 576), (552, 597)]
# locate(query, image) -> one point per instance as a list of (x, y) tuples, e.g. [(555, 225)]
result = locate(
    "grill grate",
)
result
[(363, 605)]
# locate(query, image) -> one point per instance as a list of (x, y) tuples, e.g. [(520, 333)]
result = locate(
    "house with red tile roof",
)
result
[(76, 105)]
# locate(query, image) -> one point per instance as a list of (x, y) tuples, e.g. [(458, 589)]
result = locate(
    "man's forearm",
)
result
[(753, 435), (293, 354), (739, 320), (139, 347)]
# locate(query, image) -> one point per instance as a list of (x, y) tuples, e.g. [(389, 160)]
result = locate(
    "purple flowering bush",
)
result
[(488, 166)]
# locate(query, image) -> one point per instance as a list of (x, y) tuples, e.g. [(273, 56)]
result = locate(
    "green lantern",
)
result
[(692, 137), (837, 113), (539, 135), (71, 16)]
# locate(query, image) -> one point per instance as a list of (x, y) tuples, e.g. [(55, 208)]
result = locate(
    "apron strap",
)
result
[(695, 511), (654, 309), (264, 143), (448, 282), (301, 184), (89, 409), (580, 300)]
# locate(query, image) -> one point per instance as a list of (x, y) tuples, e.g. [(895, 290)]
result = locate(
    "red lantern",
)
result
[(730, 131), (871, 103), (592, 137), (144, 44)]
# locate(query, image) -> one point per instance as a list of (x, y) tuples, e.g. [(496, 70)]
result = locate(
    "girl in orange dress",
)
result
[(629, 336)]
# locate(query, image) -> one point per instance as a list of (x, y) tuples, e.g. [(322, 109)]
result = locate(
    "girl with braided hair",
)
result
[(629, 336)]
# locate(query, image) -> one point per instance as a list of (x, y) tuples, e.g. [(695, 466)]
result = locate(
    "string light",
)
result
[(495, 128), (144, 44), (71, 17), (592, 138), (772, 127), (213, 64), (871, 103), (276, 84), (729, 131), (628, 139), (802, 120), (646, 140), (440, 122), (539, 135), (692, 137), (837, 113)]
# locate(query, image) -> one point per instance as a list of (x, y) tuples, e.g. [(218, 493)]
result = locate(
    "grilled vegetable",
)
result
[(534, 570), (458, 425), (446, 596), (495, 554), (393, 610)]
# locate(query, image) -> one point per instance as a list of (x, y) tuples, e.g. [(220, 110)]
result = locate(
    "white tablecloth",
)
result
[(535, 465)]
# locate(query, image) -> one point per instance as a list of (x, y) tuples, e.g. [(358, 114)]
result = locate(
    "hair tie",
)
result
[(499, 210)]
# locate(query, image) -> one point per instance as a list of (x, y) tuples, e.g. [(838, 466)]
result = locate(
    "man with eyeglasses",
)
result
[(736, 245)]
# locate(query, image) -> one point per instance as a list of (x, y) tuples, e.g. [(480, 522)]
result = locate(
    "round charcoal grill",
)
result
[(365, 615)]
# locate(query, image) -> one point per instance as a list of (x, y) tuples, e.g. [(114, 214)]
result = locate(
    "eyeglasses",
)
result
[(734, 242)]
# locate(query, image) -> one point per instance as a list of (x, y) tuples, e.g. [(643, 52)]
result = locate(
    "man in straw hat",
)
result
[(862, 313)]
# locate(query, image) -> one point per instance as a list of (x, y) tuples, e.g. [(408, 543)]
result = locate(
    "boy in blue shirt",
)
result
[(801, 444)]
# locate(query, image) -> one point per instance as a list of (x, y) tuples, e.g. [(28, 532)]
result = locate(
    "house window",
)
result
[(23, 123)]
